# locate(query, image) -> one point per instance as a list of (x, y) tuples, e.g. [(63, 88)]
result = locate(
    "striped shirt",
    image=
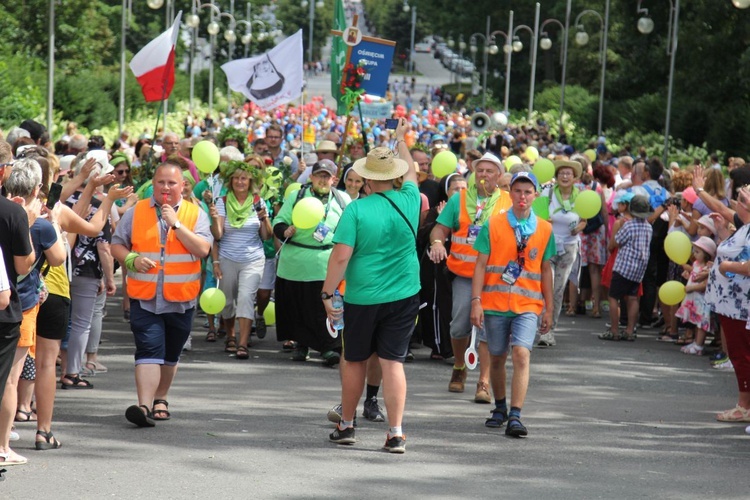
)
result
[(634, 240), (240, 245)]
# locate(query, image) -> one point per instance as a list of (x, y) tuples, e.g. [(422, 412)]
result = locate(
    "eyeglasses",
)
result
[(123, 172), (565, 173), (276, 137)]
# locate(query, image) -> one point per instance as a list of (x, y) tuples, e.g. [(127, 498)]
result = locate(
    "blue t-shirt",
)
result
[(43, 236)]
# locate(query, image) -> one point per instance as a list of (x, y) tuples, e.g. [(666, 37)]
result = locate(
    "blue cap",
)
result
[(527, 176), (624, 197)]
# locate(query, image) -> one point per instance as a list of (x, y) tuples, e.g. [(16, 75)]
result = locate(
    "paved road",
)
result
[(606, 420)]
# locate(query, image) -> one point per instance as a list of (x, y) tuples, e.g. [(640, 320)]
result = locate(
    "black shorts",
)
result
[(622, 287), (384, 329), (52, 320)]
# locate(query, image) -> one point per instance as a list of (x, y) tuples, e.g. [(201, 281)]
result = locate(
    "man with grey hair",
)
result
[(171, 144), (18, 256), (77, 144)]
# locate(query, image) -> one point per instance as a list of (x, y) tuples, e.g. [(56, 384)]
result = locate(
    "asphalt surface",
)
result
[(605, 419)]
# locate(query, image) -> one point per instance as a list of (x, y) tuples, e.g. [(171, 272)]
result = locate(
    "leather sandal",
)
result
[(165, 412)]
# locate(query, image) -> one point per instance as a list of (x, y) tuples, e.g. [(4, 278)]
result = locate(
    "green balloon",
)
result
[(270, 313), (308, 213), (588, 204), (678, 247), (444, 163), (212, 301), (206, 156), (541, 207), (544, 170)]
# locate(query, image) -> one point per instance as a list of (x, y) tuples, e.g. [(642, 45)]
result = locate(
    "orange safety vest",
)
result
[(182, 270), (525, 295), (463, 256)]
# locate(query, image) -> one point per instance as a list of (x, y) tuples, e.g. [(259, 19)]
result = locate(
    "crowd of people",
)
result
[(408, 244)]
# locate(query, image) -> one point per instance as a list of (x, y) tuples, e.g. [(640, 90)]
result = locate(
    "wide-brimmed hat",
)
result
[(707, 245), (640, 207), (327, 147), (102, 159), (576, 166), (381, 164)]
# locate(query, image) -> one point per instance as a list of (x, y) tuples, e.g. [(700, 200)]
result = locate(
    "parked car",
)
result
[(422, 47)]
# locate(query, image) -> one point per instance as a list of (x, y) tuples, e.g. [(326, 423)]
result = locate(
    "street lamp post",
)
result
[(508, 51), (545, 44), (582, 38), (51, 67), (413, 29), (646, 26), (565, 60), (518, 47), (126, 12), (193, 21), (485, 48), (318, 4)]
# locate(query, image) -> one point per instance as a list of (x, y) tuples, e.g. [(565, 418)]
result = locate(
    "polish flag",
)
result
[(153, 65)]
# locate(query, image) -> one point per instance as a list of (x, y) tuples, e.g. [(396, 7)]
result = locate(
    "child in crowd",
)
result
[(633, 242), (694, 310)]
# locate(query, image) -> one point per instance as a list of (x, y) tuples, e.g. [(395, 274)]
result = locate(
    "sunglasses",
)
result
[(122, 172)]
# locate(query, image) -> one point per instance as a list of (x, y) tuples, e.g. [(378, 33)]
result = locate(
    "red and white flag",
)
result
[(153, 65)]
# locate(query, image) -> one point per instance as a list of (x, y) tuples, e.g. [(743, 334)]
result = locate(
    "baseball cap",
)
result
[(326, 166), (525, 176), (492, 159)]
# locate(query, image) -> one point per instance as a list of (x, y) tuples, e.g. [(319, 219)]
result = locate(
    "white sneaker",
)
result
[(188, 344), (747, 429), (726, 366), (14, 436), (547, 340)]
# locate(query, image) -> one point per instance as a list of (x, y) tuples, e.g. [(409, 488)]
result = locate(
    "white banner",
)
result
[(271, 79)]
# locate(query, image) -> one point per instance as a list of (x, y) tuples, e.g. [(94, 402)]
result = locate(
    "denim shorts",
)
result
[(502, 331), (461, 319), (159, 338)]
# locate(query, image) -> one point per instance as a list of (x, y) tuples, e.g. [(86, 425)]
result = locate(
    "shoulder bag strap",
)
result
[(400, 213)]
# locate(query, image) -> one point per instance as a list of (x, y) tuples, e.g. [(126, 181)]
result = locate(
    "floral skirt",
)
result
[(594, 247), (695, 310)]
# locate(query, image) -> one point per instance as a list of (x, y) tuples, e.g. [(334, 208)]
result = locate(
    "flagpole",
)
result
[(365, 142)]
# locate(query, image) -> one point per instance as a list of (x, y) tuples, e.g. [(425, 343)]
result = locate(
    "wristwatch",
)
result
[(176, 225), (699, 190), (325, 296)]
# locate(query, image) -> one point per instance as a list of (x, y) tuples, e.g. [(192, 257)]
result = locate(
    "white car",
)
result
[(422, 47)]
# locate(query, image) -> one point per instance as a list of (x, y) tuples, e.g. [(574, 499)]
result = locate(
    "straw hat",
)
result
[(327, 147), (576, 166), (380, 164)]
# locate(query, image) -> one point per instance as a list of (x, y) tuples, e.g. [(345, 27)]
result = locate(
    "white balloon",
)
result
[(500, 119)]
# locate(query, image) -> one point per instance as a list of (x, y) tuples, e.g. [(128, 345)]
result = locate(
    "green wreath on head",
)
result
[(233, 133), (228, 169)]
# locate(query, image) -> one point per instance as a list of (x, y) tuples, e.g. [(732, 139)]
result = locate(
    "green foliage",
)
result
[(580, 105), (294, 17), (22, 95)]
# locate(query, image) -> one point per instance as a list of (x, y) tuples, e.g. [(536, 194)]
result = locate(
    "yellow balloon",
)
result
[(294, 186), (206, 156), (512, 160), (444, 163), (307, 213), (544, 170), (532, 153), (270, 313), (588, 204), (678, 247), (590, 154), (671, 293), (212, 301)]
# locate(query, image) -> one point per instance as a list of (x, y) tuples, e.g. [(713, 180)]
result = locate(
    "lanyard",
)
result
[(521, 242)]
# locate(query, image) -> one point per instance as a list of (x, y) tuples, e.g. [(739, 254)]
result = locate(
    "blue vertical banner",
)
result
[(377, 59)]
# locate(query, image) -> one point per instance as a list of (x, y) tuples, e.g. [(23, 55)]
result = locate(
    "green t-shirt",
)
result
[(450, 213), (384, 266), (307, 264), (482, 245)]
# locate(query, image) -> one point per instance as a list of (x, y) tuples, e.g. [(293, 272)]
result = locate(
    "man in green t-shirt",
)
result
[(375, 246)]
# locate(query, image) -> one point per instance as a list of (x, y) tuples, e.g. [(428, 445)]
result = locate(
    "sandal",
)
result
[(76, 382), (608, 335), (50, 441), (28, 416), (515, 428), (221, 334), (693, 349), (242, 352), (497, 419), (596, 314), (138, 417), (628, 337), (289, 346), (683, 340), (96, 367), (230, 345), (736, 414), (165, 412), (570, 312), (211, 336)]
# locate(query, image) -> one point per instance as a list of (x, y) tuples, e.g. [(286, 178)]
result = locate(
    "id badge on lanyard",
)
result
[(476, 227), (321, 231)]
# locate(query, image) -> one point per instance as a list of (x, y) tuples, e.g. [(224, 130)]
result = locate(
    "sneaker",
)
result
[(395, 444), (458, 380), (726, 366), (342, 436), (372, 411), (334, 415), (301, 353), (260, 327), (483, 393), (409, 356), (331, 358), (547, 340), (14, 436), (188, 344), (719, 357)]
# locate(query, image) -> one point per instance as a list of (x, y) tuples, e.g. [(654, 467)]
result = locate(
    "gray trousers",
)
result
[(83, 293)]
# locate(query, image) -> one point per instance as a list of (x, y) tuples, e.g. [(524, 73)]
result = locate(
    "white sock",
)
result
[(396, 431), (344, 424)]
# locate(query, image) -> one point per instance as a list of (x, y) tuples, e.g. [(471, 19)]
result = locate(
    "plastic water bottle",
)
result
[(338, 303)]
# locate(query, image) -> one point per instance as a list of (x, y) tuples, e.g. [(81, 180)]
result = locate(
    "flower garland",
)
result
[(351, 84)]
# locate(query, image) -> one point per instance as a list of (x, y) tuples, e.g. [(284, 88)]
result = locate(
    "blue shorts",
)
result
[(159, 338), (502, 331)]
